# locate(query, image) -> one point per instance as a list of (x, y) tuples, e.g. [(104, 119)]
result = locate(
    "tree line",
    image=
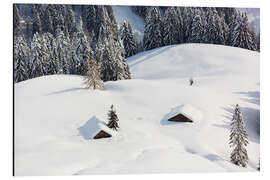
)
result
[(68, 47), (61, 39)]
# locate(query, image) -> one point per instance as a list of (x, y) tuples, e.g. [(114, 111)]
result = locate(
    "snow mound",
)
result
[(187, 110)]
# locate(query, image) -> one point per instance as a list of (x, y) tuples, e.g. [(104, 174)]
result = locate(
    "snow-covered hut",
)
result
[(184, 113), (96, 129)]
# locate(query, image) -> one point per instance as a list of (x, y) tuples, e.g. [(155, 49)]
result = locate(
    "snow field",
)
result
[(51, 110)]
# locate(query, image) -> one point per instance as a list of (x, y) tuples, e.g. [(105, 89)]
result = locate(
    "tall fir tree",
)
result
[(63, 52), (238, 139), (171, 27), (127, 36), (240, 34), (93, 76), (113, 119), (47, 22), (36, 27), (16, 20), (82, 50), (37, 56), (198, 34), (153, 30), (21, 59)]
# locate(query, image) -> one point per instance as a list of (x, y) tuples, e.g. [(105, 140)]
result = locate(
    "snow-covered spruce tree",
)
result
[(216, 27), (36, 27), (180, 28), (16, 20), (47, 22), (238, 139), (37, 56), (187, 16), (171, 27), (198, 34), (240, 35), (90, 18), (93, 77), (128, 39), (70, 23), (112, 61), (113, 119), (63, 52), (21, 59), (153, 30), (49, 45), (82, 50)]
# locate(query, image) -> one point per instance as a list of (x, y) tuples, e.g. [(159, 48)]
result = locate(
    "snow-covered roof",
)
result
[(186, 110), (93, 126)]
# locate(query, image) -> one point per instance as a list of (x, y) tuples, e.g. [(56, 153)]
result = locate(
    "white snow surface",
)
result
[(53, 114)]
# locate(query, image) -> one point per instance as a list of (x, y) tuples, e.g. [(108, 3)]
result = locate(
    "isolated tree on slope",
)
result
[(128, 39), (238, 139), (93, 79), (113, 119), (21, 59), (153, 30)]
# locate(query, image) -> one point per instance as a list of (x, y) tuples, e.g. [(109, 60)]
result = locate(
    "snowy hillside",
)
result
[(53, 113)]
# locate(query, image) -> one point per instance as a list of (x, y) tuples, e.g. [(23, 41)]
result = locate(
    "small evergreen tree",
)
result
[(238, 139), (113, 119), (93, 77)]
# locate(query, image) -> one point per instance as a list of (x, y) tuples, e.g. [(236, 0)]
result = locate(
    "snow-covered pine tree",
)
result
[(70, 23), (240, 35), (90, 16), (38, 56), (180, 28), (113, 119), (93, 77), (238, 139), (197, 34), (82, 50), (36, 27), (112, 61), (127, 36), (16, 20), (63, 52), (21, 59), (47, 22), (153, 30), (49, 44), (216, 27), (187, 16), (171, 27)]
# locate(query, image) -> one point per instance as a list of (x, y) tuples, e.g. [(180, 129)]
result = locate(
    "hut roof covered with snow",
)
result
[(185, 113)]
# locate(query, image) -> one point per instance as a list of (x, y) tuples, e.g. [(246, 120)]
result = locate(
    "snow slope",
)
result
[(52, 114)]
